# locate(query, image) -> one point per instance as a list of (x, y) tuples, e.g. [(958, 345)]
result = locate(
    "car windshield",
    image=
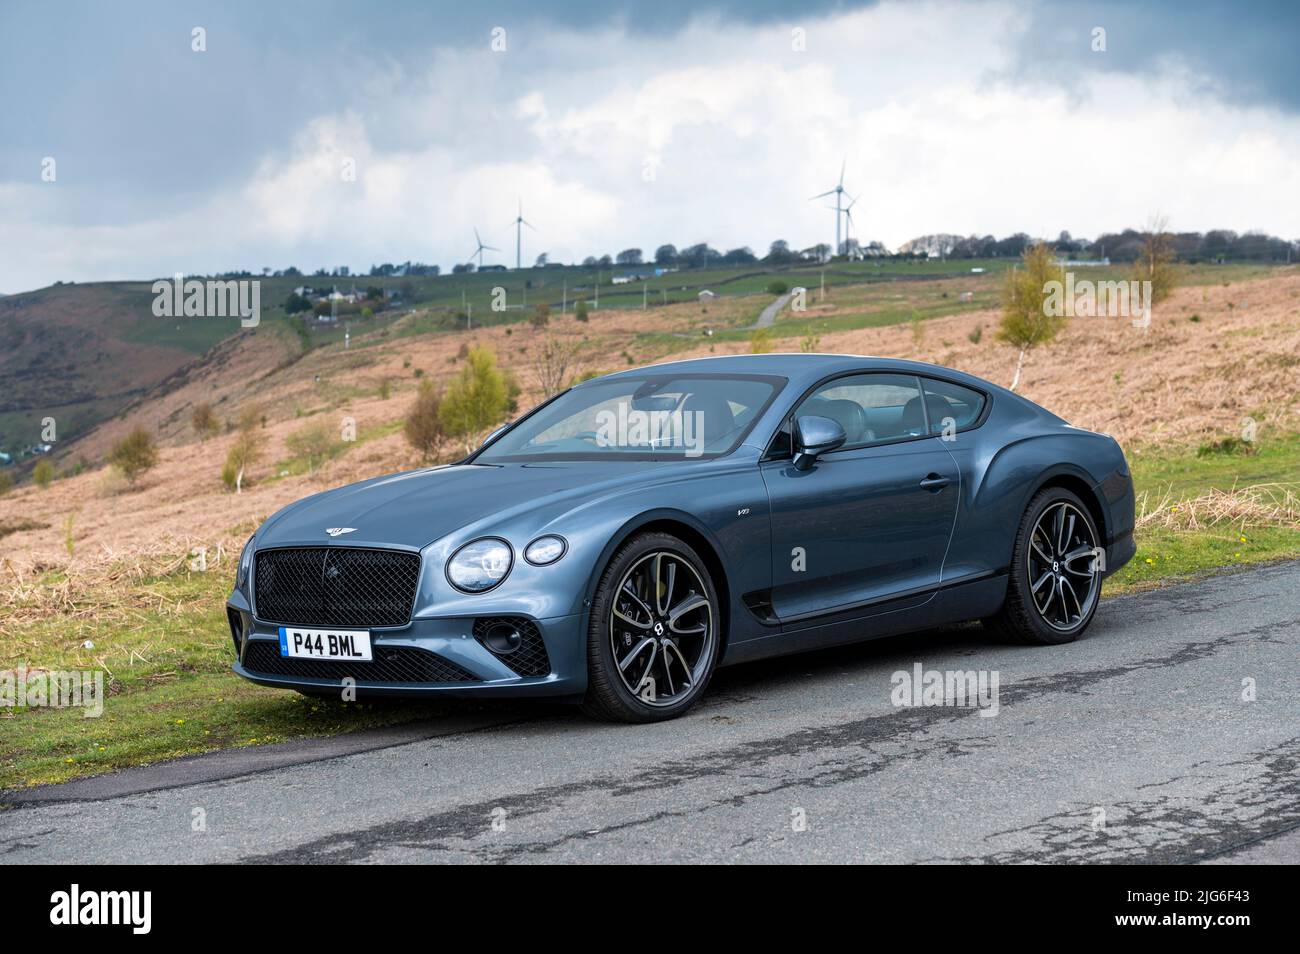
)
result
[(640, 417)]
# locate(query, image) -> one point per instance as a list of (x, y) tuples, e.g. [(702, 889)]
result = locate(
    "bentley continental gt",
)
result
[(627, 537)]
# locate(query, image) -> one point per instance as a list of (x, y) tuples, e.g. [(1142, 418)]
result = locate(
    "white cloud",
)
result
[(739, 130)]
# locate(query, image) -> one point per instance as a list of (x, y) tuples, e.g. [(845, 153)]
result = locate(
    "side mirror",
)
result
[(814, 436)]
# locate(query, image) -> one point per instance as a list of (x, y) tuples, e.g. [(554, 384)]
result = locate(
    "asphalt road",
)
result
[(1133, 745)]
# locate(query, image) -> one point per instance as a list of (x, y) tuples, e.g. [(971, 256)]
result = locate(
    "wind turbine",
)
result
[(839, 194), (848, 223), (480, 249), (519, 223)]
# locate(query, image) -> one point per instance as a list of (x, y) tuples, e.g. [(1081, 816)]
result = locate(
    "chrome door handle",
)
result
[(935, 482)]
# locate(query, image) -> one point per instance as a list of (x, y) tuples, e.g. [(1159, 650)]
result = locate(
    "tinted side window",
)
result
[(951, 406), (871, 408)]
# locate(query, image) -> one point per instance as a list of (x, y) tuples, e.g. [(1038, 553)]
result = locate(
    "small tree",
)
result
[(1025, 320), (43, 472), (551, 361), (423, 427), (250, 417), (580, 310), (6, 483), (1155, 261), (204, 421), (314, 441), (541, 316), (243, 454), (477, 399), (760, 342), (134, 455)]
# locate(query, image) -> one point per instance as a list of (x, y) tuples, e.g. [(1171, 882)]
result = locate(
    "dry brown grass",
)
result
[(1258, 505)]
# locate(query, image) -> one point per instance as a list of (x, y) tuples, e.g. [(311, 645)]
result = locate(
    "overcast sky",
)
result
[(620, 125)]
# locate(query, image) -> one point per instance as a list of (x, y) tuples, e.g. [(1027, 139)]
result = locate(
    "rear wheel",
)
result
[(1055, 571), (652, 642)]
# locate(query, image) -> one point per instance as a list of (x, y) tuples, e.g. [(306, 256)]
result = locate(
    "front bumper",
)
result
[(450, 639)]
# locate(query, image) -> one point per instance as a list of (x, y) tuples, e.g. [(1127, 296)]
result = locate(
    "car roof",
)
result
[(803, 369)]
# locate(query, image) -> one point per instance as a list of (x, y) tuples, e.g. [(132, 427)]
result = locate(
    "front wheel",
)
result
[(1056, 571), (652, 641)]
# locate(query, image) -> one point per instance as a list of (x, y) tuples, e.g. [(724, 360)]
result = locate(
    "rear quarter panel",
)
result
[(1003, 463)]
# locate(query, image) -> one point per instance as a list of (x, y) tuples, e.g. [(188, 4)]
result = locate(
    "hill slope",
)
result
[(1214, 355)]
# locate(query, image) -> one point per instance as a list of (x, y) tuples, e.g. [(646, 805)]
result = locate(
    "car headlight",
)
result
[(245, 562), (480, 565), (545, 550)]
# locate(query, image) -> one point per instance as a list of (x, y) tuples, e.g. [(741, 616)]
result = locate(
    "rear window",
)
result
[(951, 407)]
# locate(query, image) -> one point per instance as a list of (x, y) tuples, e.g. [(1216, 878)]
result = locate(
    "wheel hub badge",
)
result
[(659, 629)]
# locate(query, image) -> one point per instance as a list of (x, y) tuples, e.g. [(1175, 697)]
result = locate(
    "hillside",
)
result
[(82, 353), (1215, 354)]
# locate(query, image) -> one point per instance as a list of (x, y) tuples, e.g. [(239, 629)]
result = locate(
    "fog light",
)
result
[(502, 638)]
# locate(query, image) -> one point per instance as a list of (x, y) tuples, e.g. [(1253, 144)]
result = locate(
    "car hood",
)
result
[(416, 508)]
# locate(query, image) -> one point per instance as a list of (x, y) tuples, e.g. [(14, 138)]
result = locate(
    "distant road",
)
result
[(1133, 745), (768, 316)]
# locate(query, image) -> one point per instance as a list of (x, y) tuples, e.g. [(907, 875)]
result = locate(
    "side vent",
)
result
[(759, 602), (516, 641)]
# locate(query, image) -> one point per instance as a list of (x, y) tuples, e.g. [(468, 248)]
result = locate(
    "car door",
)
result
[(868, 523)]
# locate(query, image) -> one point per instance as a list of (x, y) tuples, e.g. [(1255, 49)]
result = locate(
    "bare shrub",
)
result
[(423, 427), (551, 362), (134, 455), (204, 421)]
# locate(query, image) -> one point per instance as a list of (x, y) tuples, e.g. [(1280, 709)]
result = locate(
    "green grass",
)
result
[(1166, 554), (166, 645)]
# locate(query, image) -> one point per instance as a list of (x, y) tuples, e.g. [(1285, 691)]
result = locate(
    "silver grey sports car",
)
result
[(621, 541)]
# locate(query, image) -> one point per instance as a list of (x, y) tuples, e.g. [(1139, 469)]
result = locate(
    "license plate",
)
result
[(348, 644)]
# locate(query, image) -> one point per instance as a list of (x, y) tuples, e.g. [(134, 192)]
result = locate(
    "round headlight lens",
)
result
[(545, 550), (478, 566), (245, 562)]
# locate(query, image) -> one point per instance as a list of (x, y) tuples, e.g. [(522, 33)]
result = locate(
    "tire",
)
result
[(1054, 585), (651, 647)]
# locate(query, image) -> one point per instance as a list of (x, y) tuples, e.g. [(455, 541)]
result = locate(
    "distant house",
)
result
[(493, 268), (706, 295), (622, 279), (304, 291)]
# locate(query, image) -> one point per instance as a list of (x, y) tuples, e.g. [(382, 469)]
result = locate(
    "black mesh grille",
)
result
[(335, 586), (391, 664), (530, 658)]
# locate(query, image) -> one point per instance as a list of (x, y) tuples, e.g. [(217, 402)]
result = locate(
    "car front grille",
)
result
[(335, 586), (398, 664), (529, 658)]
